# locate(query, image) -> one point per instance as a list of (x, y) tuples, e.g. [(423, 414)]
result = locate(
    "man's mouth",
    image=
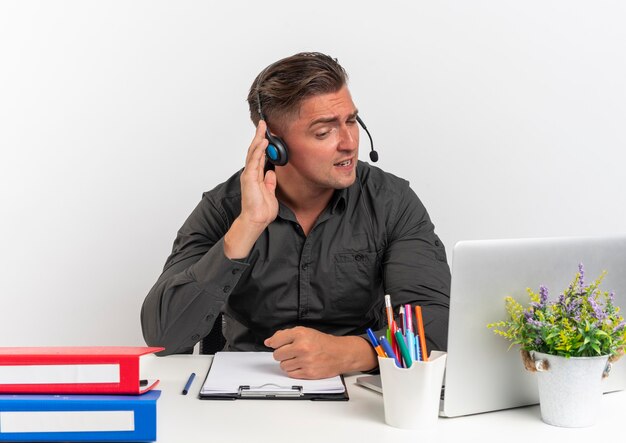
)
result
[(344, 163)]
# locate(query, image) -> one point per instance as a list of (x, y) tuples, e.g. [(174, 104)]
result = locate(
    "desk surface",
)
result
[(185, 418)]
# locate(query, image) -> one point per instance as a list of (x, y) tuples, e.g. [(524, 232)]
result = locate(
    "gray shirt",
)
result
[(374, 238)]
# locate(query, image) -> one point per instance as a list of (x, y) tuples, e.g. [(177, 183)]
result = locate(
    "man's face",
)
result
[(323, 142)]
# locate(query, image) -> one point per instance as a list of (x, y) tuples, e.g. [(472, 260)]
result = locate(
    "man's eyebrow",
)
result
[(324, 120), (331, 119)]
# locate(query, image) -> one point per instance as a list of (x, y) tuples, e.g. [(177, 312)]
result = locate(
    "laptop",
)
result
[(482, 373)]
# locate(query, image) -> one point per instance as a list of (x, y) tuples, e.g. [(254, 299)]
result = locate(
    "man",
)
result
[(299, 257)]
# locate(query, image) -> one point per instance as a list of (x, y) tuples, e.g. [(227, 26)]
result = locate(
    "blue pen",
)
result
[(377, 348), (189, 382), (387, 348), (372, 337), (418, 351), (410, 343), (410, 337)]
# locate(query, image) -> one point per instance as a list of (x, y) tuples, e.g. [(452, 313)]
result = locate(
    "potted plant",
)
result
[(570, 342)]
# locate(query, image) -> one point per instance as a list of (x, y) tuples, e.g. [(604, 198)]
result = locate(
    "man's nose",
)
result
[(348, 138)]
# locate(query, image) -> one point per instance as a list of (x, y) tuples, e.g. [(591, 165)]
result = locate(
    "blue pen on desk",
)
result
[(189, 382), (387, 348), (375, 344)]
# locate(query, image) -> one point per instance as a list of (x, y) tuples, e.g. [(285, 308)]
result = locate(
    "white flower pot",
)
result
[(570, 389)]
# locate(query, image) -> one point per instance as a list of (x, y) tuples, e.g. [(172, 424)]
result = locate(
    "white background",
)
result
[(508, 118)]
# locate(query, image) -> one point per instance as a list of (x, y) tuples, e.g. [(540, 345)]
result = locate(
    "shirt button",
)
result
[(235, 271), (437, 243), (304, 266), (226, 288), (358, 257)]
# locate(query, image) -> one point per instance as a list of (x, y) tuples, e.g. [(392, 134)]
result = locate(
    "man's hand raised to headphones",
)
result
[(259, 206)]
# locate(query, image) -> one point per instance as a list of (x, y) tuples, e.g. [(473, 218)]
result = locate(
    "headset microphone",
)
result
[(373, 153)]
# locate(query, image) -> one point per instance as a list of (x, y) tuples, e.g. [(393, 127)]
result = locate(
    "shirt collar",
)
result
[(338, 201)]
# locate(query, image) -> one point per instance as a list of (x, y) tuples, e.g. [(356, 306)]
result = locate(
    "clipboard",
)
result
[(257, 376)]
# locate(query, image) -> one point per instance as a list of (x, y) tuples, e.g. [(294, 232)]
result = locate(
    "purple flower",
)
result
[(534, 323), (597, 310), (572, 309), (543, 296), (620, 326), (581, 280)]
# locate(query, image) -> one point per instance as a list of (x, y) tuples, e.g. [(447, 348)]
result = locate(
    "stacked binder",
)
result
[(76, 394)]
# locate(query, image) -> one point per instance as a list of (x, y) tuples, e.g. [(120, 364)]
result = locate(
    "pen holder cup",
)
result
[(412, 395)]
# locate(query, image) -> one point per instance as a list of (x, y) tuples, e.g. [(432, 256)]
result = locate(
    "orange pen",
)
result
[(420, 331)]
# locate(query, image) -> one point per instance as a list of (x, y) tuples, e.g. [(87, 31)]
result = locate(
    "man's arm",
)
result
[(416, 270), (259, 206), (182, 306), (207, 262)]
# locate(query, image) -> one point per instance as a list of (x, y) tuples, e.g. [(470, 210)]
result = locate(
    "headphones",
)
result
[(276, 151)]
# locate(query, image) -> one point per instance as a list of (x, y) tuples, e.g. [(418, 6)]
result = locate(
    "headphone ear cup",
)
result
[(276, 150)]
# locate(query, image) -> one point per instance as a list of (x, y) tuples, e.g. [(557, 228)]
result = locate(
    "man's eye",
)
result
[(322, 134)]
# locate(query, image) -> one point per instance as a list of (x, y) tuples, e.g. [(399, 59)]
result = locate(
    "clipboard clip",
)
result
[(270, 390)]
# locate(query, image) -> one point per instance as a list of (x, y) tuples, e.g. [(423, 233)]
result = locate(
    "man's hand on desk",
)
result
[(310, 354)]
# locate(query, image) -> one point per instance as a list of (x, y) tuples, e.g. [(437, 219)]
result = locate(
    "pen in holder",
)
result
[(411, 396)]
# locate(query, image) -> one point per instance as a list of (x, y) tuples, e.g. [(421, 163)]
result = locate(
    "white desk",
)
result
[(186, 419)]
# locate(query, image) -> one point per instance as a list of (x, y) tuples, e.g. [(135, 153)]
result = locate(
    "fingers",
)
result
[(257, 146), (259, 206), (270, 181), (285, 348), (302, 367), (284, 352), (293, 368), (280, 338), (291, 348)]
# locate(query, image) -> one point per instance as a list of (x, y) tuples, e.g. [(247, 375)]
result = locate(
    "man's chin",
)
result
[(345, 182)]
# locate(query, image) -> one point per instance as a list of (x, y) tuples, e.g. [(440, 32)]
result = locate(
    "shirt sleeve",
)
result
[(415, 268), (197, 278)]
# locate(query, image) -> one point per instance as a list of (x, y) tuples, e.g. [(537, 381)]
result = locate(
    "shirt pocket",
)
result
[(357, 281)]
